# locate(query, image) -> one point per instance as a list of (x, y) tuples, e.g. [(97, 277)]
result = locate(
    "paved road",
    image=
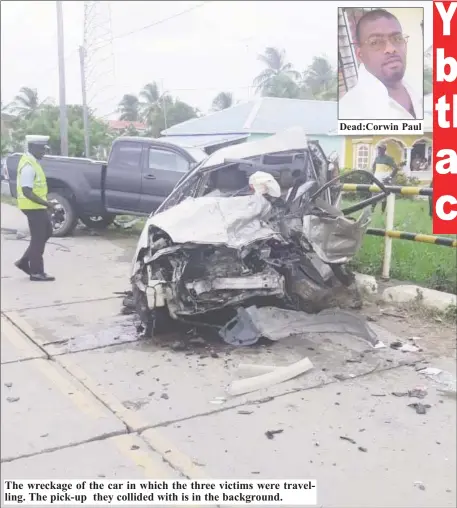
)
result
[(83, 397)]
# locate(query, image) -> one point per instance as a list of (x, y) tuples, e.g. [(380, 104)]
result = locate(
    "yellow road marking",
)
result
[(29, 332), (134, 448), (17, 339), (83, 398), (156, 440)]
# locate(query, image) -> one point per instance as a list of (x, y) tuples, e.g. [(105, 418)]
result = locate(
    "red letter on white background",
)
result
[(444, 127)]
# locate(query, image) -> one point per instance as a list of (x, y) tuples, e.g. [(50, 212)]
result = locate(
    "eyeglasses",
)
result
[(380, 43)]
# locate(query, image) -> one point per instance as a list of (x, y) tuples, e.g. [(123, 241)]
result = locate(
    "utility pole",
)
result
[(62, 100), (82, 56)]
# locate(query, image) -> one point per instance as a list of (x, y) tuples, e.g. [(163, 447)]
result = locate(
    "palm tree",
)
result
[(277, 70), (223, 100), (152, 102), (26, 104), (129, 108), (319, 81), (5, 108)]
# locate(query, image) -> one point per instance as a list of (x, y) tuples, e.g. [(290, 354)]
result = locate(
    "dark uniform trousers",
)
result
[(40, 231)]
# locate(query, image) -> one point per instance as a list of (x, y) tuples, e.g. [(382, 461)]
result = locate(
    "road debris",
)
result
[(271, 433), (218, 400), (279, 375), (420, 485), (8, 385), (244, 412), (421, 409), (419, 392), (409, 348), (441, 377), (274, 324), (12, 399), (346, 438), (362, 449)]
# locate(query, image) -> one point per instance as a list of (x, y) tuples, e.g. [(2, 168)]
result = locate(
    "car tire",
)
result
[(98, 222), (67, 226)]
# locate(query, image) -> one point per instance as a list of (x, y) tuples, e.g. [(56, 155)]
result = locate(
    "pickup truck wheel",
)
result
[(65, 220), (98, 221)]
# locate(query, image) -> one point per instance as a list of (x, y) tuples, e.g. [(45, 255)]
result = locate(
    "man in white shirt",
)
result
[(381, 93)]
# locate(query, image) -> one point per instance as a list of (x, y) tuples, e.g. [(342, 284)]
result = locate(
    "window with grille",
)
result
[(362, 158)]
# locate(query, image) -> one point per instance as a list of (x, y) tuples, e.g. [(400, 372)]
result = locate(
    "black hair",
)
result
[(372, 16)]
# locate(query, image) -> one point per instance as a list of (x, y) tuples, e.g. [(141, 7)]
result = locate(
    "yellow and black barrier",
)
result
[(395, 189), (414, 237)]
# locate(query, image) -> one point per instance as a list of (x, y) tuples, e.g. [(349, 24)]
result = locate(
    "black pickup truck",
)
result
[(139, 175)]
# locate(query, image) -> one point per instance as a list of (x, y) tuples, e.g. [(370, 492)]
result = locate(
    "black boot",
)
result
[(41, 277)]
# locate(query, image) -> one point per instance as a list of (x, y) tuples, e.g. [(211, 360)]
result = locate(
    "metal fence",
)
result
[(389, 233)]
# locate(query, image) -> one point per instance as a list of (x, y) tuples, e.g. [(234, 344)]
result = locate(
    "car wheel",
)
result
[(65, 219), (98, 221)]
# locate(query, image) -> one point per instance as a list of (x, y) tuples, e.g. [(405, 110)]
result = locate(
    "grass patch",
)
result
[(429, 265)]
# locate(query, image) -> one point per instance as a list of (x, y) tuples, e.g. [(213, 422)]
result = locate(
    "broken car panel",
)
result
[(252, 222)]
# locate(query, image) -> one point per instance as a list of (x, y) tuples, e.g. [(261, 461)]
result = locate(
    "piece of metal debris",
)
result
[(8, 385), (420, 485), (418, 392), (421, 409), (275, 324), (12, 399), (362, 449), (346, 438), (408, 348), (279, 375), (243, 412), (218, 400), (271, 433), (441, 377)]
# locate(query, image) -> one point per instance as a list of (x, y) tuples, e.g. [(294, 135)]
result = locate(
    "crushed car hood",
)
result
[(233, 222), (290, 139)]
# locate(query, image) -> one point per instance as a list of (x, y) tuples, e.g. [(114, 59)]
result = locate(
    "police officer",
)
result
[(32, 191)]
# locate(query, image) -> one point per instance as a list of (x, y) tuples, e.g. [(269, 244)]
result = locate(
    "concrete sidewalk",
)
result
[(94, 400)]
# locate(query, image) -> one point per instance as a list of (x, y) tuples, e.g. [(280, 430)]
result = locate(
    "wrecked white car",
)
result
[(256, 223)]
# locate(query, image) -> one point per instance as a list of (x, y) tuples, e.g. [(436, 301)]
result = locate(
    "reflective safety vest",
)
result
[(40, 186)]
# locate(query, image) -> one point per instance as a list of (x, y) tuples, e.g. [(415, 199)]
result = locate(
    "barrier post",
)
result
[(390, 215)]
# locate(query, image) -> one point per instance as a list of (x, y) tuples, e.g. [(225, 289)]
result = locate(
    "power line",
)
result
[(160, 21)]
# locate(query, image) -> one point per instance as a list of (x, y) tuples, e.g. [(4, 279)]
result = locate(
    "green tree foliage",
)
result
[(47, 122), (319, 81), (129, 108), (158, 111), (26, 104), (223, 100), (280, 79)]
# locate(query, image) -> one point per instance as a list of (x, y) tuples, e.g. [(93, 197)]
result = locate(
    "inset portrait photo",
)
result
[(380, 63)]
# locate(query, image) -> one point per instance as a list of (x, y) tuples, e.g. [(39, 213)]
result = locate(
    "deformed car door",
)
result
[(162, 170)]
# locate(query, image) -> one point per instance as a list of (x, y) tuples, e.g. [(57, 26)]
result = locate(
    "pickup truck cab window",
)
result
[(162, 159), (126, 155)]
